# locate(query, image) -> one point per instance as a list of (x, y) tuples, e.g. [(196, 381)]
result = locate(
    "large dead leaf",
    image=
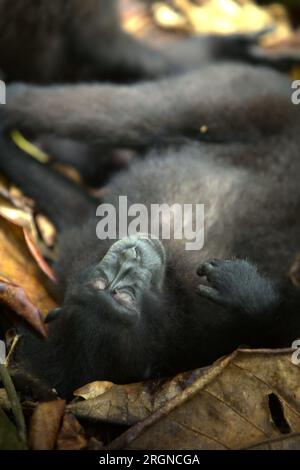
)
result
[(248, 399), (128, 404)]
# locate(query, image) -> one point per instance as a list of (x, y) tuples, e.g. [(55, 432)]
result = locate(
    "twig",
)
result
[(14, 400), (12, 349)]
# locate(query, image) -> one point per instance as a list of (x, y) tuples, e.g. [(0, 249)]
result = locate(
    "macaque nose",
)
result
[(131, 253)]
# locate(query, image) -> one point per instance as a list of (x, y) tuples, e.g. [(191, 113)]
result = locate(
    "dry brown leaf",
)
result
[(71, 435), (137, 19), (243, 400), (288, 442), (21, 288), (19, 212), (47, 230), (37, 255), (15, 298), (93, 389), (18, 268), (223, 17), (17, 216), (128, 404), (14, 195), (45, 424)]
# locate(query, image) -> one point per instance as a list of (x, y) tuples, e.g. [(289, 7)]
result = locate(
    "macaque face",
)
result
[(132, 269)]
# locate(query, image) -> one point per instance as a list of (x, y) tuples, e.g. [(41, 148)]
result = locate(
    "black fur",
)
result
[(72, 40), (224, 101), (248, 179)]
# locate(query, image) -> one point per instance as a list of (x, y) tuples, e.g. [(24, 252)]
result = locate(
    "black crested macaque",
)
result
[(82, 41), (57, 41), (136, 308), (75, 40)]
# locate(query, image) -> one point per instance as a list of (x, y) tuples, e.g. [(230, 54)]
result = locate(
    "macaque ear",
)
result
[(53, 315)]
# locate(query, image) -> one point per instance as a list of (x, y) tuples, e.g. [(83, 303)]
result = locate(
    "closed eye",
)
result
[(99, 284)]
